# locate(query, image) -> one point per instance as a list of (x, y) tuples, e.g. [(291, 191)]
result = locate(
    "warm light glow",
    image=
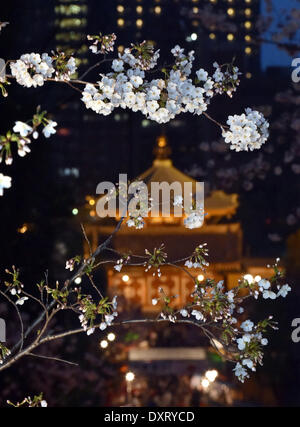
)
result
[(231, 11), (92, 213), (248, 38), (92, 202), (120, 22), (248, 76), (157, 10), (129, 376), (248, 50), (120, 8), (230, 37), (194, 36), (111, 336), (103, 344), (121, 49), (195, 9), (161, 141), (125, 278), (139, 9), (248, 12), (248, 1), (77, 280), (23, 229), (249, 278), (257, 278), (205, 383), (75, 211), (139, 23), (211, 375), (200, 277), (248, 25), (212, 36)]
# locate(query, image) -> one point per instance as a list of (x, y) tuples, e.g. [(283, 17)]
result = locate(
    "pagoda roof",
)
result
[(217, 203)]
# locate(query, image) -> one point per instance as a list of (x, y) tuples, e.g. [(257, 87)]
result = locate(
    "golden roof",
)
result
[(218, 203)]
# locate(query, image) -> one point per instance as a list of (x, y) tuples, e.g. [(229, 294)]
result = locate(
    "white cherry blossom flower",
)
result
[(49, 129), (247, 325), (240, 372), (103, 326), (22, 128), (21, 300), (269, 294), (283, 291)]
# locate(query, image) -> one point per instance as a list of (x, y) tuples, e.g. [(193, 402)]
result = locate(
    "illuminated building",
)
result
[(220, 231), (71, 20)]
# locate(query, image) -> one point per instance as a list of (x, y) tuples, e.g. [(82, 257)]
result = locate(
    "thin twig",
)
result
[(57, 359)]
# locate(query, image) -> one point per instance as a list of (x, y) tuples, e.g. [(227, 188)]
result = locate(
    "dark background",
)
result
[(88, 148)]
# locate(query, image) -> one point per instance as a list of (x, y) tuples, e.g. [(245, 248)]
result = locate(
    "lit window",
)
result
[(157, 10), (139, 23), (248, 24), (71, 9), (248, 1), (231, 11), (71, 23), (248, 38), (70, 36), (248, 12), (139, 9), (195, 1), (248, 50), (120, 8), (213, 1), (121, 22), (248, 75), (195, 9), (230, 37), (212, 36)]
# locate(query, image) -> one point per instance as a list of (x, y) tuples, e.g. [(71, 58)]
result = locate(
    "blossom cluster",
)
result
[(20, 136), (197, 260), (158, 99), (32, 69), (246, 132), (102, 44), (155, 260), (30, 402), (213, 304), (226, 81), (4, 353), (90, 311), (121, 262), (194, 214)]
